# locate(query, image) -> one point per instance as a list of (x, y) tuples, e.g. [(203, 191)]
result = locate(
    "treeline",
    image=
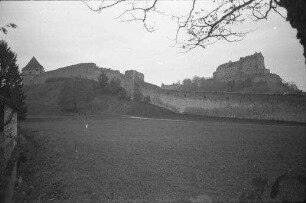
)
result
[(201, 84), (79, 92), (11, 81)]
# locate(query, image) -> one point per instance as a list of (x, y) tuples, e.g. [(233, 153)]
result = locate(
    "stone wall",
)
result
[(134, 75), (8, 134), (90, 71), (245, 67), (236, 105), (84, 70)]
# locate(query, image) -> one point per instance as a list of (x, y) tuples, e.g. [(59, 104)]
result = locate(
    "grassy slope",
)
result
[(42, 100)]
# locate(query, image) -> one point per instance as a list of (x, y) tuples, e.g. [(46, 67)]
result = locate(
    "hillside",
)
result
[(241, 86), (42, 100)]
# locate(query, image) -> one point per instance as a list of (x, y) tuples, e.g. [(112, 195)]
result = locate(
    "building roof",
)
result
[(33, 65)]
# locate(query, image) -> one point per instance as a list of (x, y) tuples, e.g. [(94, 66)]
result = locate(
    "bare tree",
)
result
[(201, 27)]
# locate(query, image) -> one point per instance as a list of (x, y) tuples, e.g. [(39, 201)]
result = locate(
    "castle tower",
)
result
[(32, 69)]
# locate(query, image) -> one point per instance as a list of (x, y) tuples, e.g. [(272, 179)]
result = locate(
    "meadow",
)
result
[(112, 158)]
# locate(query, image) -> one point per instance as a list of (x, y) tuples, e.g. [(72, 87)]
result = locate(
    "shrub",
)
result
[(137, 95), (122, 94), (75, 93), (113, 87), (146, 99), (102, 80), (261, 185)]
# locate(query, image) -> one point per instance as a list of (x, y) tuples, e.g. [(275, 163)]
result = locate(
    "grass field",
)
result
[(128, 159)]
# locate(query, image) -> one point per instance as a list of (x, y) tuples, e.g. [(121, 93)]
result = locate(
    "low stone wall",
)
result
[(236, 105), (8, 141), (8, 134)]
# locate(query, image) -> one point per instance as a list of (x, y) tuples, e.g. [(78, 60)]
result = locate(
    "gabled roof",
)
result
[(33, 65)]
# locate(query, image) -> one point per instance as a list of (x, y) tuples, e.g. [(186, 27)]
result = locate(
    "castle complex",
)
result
[(252, 67), (33, 73), (289, 107)]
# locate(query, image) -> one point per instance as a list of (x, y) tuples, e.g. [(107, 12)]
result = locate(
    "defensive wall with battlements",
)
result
[(84, 70), (234, 105), (238, 105)]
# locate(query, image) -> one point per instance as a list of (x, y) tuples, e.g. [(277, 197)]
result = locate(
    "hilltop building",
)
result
[(252, 67), (32, 69)]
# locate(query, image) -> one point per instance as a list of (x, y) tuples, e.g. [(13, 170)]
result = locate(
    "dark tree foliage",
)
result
[(201, 27), (75, 93), (11, 80), (198, 84), (102, 80), (261, 188), (296, 15), (137, 95), (114, 88)]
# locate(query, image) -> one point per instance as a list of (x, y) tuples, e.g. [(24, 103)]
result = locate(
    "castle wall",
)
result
[(252, 106), (89, 71), (28, 79), (228, 72), (85, 70), (248, 66), (237, 105)]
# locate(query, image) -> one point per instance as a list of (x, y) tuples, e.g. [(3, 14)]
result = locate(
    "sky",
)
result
[(59, 34)]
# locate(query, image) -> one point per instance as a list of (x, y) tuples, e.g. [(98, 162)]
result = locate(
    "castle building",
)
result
[(32, 69), (249, 66)]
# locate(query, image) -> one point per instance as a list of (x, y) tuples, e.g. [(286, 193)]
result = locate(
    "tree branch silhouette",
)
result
[(201, 27)]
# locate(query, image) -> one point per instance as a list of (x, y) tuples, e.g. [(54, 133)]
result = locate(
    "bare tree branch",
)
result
[(199, 28), (102, 6)]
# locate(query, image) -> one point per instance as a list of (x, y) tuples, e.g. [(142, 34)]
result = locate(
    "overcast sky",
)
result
[(65, 33)]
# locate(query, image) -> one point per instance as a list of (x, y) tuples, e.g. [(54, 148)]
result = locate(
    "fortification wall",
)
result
[(238, 105), (83, 70)]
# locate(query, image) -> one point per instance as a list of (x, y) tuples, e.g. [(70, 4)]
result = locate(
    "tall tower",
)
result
[(32, 69)]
